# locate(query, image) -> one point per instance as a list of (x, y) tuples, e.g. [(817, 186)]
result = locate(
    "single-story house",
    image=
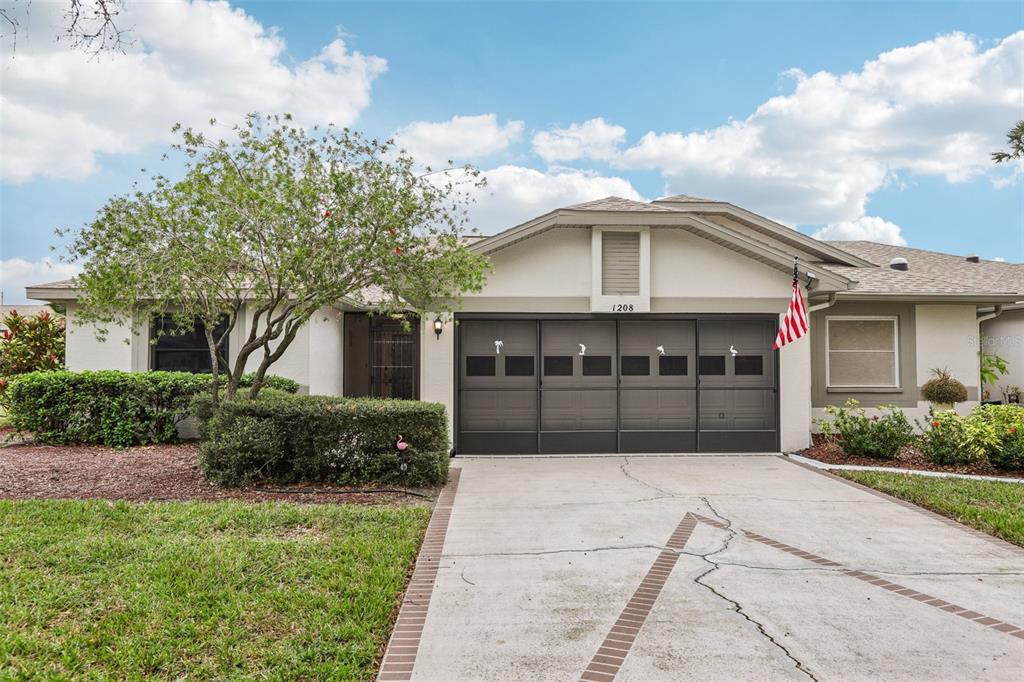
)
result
[(621, 326)]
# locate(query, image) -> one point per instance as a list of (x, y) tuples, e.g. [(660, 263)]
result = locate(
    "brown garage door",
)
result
[(607, 384)]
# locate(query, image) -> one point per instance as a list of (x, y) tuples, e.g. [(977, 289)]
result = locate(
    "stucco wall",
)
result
[(931, 336), (1004, 336), (85, 351), (437, 367), (326, 355)]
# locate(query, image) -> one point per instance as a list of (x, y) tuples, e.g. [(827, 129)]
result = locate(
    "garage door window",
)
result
[(862, 352), (558, 365), (519, 365), (672, 366), (479, 366), (749, 365), (712, 365), (597, 365), (636, 365)]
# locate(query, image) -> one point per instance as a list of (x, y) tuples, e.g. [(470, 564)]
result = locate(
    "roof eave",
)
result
[(937, 297)]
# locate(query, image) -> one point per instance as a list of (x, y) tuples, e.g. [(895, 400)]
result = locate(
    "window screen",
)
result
[(672, 365), (748, 365), (519, 365), (862, 352), (558, 365), (597, 365), (636, 365), (479, 365), (183, 350), (711, 365)]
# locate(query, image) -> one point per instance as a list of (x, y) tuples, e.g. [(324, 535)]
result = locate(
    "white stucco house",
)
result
[(621, 326)]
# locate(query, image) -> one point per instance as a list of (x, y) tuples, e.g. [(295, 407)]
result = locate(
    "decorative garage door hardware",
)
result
[(607, 384), (608, 660)]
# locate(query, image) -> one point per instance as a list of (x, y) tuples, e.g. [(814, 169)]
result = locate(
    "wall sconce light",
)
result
[(438, 327)]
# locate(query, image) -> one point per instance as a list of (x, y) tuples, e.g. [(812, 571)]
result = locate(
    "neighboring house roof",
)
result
[(948, 270), (616, 204)]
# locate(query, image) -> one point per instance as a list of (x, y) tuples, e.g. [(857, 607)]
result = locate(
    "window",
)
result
[(183, 350), (558, 365), (636, 365), (748, 365), (862, 352), (597, 365), (711, 365), (479, 365), (519, 365), (672, 365)]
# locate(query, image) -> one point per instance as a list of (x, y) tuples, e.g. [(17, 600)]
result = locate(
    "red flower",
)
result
[(875, 418), (1013, 429), (393, 231), (327, 214), (935, 423), (398, 250)]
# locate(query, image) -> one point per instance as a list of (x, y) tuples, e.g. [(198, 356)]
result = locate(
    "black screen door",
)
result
[(393, 352)]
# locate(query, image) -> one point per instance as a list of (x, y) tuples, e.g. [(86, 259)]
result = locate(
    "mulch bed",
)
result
[(148, 473), (908, 458)]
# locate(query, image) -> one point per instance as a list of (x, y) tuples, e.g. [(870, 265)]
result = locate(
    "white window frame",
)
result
[(894, 319)]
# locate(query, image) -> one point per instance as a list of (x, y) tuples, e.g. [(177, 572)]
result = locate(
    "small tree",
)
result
[(265, 229), (1015, 141)]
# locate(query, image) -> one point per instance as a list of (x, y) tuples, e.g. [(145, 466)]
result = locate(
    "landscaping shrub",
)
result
[(879, 436), (299, 438), (30, 343), (1008, 424), (952, 439), (270, 381), (108, 407), (112, 408), (943, 389)]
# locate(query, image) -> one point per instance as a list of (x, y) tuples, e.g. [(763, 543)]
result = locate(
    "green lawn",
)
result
[(115, 590), (990, 506)]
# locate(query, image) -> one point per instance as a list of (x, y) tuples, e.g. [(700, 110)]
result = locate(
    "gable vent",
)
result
[(620, 263)]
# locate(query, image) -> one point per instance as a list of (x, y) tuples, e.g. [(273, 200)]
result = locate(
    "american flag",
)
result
[(794, 323)]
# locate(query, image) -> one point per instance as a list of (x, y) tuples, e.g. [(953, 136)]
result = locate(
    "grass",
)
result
[(225, 590), (993, 507)]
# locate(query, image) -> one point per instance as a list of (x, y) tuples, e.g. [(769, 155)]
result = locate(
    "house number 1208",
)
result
[(622, 307)]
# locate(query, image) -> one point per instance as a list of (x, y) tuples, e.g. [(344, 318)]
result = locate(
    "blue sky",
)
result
[(682, 94)]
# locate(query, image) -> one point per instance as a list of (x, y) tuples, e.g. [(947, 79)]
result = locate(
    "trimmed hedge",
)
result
[(286, 438), (107, 407)]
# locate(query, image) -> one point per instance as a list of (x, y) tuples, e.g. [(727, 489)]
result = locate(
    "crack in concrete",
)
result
[(622, 468), (737, 607)]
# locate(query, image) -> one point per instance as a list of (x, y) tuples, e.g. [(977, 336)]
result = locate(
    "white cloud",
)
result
[(593, 139), (18, 273), (461, 139), (514, 194), (190, 61), (869, 228), (938, 108)]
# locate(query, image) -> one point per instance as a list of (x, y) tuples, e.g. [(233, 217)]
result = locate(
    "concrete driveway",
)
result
[(703, 567)]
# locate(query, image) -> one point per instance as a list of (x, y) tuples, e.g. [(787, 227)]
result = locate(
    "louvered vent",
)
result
[(620, 263)]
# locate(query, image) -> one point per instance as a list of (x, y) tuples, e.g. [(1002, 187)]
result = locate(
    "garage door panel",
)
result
[(658, 410), (485, 410), (737, 410), (591, 410), (578, 354), (658, 354), (498, 355)]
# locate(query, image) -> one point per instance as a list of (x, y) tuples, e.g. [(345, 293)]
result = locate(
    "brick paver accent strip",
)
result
[(888, 585), (610, 656), (400, 654)]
